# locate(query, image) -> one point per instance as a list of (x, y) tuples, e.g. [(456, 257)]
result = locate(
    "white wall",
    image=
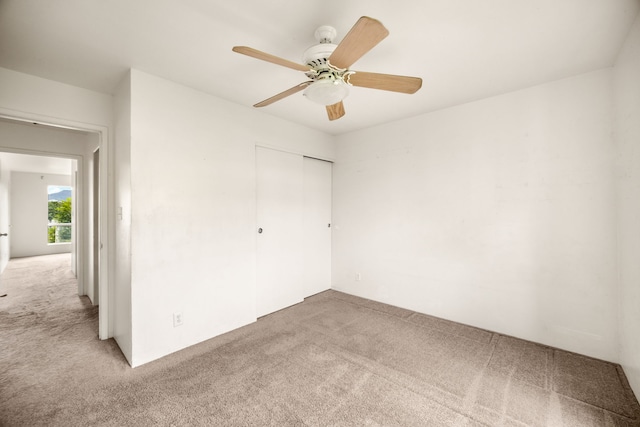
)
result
[(122, 284), (626, 83), (498, 214), (4, 216), (193, 211), (23, 94), (28, 205)]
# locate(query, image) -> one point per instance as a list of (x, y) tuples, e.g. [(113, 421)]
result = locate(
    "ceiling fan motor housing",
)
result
[(317, 53), (325, 47), (325, 34), (329, 85)]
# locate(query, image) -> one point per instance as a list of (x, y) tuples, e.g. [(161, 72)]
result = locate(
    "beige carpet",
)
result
[(332, 360)]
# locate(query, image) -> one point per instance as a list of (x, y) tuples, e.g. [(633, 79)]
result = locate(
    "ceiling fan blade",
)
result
[(390, 82), (335, 111), (363, 36), (282, 95), (269, 58)]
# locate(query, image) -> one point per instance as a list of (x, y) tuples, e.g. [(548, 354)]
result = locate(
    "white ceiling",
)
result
[(462, 49)]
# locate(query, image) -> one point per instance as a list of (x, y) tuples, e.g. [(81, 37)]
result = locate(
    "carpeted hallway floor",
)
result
[(332, 360)]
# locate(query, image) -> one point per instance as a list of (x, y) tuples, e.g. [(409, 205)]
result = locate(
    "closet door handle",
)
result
[(259, 230), (3, 234)]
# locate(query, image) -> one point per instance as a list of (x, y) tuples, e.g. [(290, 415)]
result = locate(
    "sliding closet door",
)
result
[(317, 226), (280, 201)]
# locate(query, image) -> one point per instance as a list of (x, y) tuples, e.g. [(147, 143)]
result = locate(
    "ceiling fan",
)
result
[(327, 67)]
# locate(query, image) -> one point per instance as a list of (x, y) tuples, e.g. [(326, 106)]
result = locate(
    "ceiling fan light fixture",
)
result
[(327, 92)]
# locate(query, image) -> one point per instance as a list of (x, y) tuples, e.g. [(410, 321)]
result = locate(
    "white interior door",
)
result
[(280, 199), (317, 226)]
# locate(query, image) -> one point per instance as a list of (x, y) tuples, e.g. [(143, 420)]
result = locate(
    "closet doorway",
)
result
[(293, 228)]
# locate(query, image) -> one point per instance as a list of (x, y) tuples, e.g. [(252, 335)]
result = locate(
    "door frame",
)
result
[(105, 323), (95, 229)]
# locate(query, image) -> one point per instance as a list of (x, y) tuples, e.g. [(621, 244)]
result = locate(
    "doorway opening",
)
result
[(88, 225)]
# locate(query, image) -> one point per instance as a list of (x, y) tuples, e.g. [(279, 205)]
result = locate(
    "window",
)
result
[(59, 202)]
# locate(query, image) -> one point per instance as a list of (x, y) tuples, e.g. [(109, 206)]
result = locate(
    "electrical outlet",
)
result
[(358, 277), (177, 319)]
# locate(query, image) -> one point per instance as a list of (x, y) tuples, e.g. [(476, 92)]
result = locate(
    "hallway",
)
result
[(42, 296)]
